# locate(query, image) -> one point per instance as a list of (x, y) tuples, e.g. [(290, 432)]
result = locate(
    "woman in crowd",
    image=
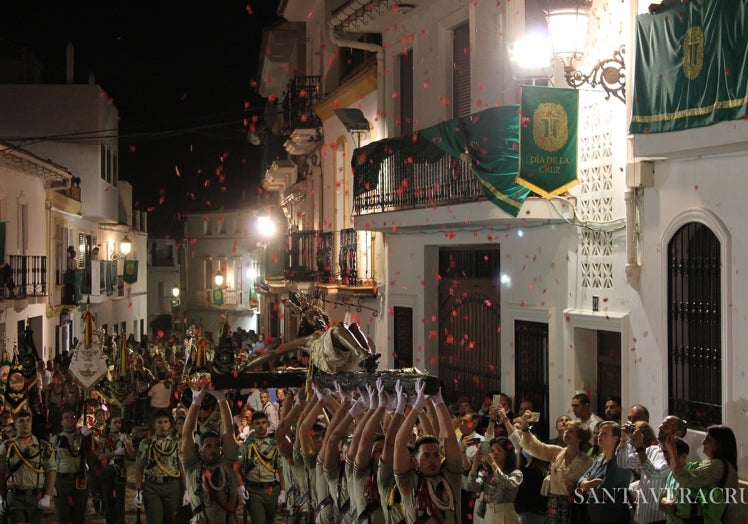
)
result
[(720, 470), (603, 479), (495, 475), (567, 465)]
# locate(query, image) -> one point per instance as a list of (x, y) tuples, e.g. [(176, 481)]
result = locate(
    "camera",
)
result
[(628, 427), (534, 417)]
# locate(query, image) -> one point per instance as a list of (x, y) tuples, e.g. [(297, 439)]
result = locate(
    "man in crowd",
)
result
[(260, 465), (613, 409), (71, 486), (649, 461), (158, 475), (212, 486), (23, 482), (112, 450), (270, 410), (580, 405), (430, 494), (637, 413)]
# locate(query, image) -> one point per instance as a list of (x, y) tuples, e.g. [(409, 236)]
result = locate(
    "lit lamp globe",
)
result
[(567, 24), (125, 246), (265, 226)]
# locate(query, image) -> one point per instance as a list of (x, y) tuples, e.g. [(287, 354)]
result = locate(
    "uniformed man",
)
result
[(27, 470), (158, 476), (209, 472), (71, 448), (260, 466), (112, 448)]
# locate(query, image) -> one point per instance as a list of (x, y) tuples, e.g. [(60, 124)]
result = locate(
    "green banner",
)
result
[(691, 66), (489, 140), (548, 139), (130, 271), (217, 296)]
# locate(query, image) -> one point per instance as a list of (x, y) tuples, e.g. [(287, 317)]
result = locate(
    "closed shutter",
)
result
[(461, 71), (406, 93)]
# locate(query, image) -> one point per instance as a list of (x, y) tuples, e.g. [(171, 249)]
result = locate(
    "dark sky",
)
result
[(185, 67)]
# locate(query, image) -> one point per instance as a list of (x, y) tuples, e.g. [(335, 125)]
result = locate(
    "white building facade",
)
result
[(574, 293), (75, 126)]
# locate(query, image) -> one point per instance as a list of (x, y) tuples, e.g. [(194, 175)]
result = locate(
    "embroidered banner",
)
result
[(691, 66), (548, 139), (130, 271), (217, 296)]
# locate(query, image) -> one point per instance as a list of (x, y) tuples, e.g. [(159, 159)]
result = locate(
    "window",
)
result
[(403, 336), (23, 226), (115, 169), (102, 161), (461, 70), (406, 93), (694, 326)]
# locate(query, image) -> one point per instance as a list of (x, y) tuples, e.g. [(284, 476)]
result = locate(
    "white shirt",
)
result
[(654, 472), (160, 395)]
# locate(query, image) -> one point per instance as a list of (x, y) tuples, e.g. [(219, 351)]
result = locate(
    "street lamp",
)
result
[(567, 24), (218, 279), (175, 291), (265, 226), (125, 246)]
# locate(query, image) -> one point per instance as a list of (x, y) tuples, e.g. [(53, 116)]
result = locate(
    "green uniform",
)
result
[(71, 485), (260, 461), (26, 467), (162, 486), (113, 477), (212, 489)]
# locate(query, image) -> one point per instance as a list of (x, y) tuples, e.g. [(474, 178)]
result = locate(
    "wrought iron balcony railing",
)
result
[(233, 298), (415, 178), (309, 256), (24, 276), (298, 103)]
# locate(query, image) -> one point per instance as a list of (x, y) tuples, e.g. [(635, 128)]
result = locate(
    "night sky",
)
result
[(183, 77)]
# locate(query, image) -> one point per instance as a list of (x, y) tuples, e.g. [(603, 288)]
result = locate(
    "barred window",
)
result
[(694, 326)]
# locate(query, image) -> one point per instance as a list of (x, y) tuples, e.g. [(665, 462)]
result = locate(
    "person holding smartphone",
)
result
[(494, 474)]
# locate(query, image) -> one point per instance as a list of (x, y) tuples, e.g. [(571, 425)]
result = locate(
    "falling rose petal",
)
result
[(132, 149), (249, 10)]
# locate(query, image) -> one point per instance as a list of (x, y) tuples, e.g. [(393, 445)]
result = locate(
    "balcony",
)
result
[(298, 103), (417, 175), (233, 299), (310, 259), (73, 192), (24, 276)]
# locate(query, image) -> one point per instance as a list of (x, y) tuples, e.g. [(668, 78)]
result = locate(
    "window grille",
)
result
[(694, 326)]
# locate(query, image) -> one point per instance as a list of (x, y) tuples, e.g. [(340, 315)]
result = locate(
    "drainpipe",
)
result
[(633, 269), (639, 176), (335, 23)]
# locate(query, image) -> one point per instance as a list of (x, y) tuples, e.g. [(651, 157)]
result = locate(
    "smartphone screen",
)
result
[(485, 446)]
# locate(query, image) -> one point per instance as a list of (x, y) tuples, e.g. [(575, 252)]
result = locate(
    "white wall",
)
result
[(709, 189)]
